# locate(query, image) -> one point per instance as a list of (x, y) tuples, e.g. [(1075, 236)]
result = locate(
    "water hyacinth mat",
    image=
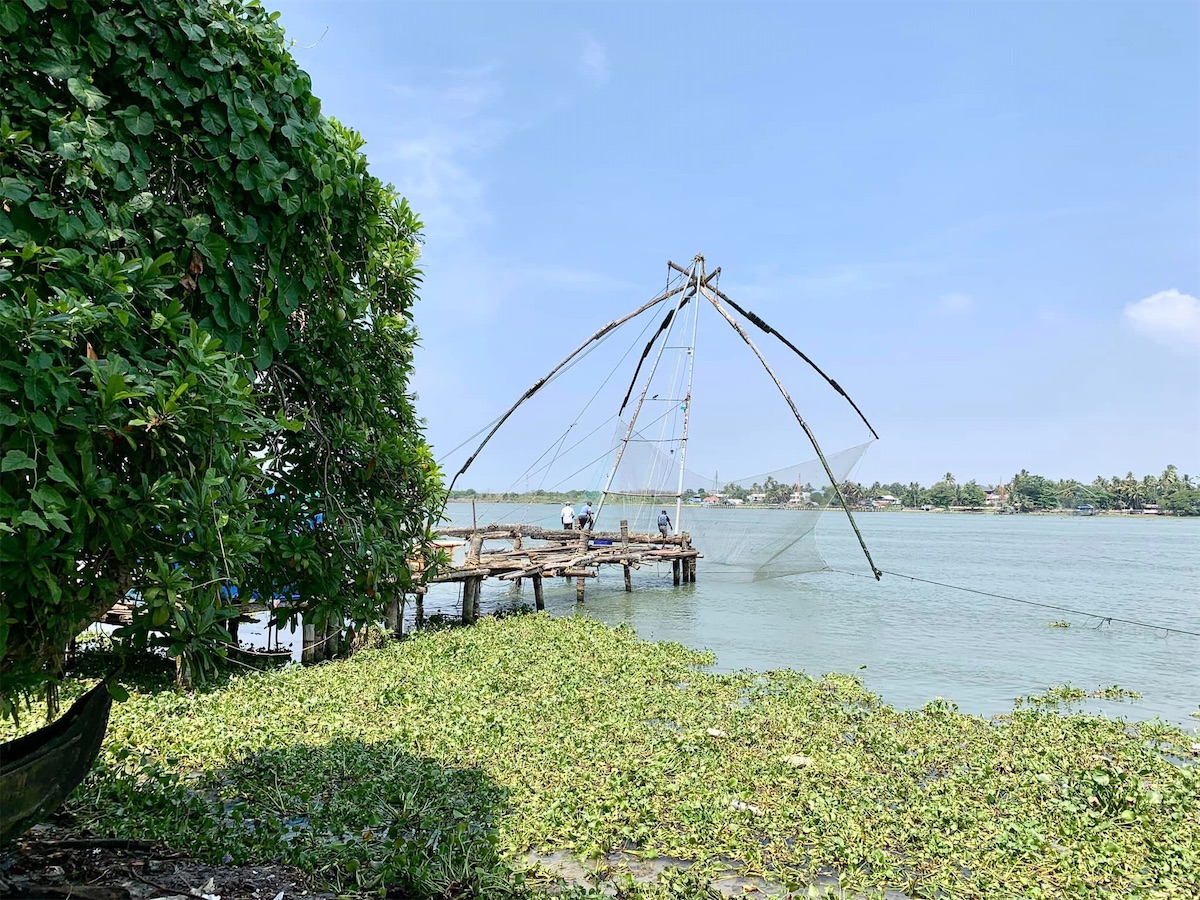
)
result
[(493, 760)]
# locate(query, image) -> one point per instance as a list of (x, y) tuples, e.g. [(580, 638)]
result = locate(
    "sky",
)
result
[(982, 219)]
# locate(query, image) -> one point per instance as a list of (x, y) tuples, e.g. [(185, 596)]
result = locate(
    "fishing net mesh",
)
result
[(763, 524)]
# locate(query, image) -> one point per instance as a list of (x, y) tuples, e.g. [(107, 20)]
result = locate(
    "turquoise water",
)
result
[(912, 642)]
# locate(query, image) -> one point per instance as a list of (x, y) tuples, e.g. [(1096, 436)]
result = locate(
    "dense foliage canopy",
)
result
[(204, 334)]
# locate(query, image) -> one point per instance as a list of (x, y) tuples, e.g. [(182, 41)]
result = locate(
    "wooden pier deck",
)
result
[(529, 551), (566, 553)]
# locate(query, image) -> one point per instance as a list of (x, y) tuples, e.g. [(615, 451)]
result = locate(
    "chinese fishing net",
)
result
[(763, 525)]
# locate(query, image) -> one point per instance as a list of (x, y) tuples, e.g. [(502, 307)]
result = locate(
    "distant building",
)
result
[(712, 498), (887, 500), (758, 498), (734, 501), (994, 496)]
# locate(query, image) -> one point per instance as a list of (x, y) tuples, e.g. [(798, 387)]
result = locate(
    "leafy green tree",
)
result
[(205, 336), (736, 492), (971, 494), (1032, 492), (1129, 492), (944, 493), (1099, 495), (913, 495), (1183, 502)]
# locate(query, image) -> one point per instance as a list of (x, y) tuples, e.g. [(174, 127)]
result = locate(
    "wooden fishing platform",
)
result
[(566, 553)]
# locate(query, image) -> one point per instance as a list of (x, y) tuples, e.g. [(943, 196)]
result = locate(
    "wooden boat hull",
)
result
[(39, 770)]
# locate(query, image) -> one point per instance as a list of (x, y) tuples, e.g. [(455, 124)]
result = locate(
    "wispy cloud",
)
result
[(579, 279), (1169, 317), (446, 123), (842, 282), (593, 61), (955, 304)]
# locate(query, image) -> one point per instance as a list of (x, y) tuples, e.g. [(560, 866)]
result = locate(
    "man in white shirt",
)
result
[(568, 517)]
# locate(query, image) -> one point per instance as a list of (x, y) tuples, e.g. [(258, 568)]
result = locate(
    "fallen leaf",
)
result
[(715, 732)]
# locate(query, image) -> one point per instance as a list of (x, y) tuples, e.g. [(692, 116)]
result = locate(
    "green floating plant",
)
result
[(464, 762)]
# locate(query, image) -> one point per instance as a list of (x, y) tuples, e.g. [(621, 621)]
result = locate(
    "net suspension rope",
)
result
[(1104, 619), (698, 283)]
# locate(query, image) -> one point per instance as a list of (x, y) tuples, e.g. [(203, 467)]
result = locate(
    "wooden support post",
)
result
[(539, 600), (625, 546), (394, 618), (692, 570), (333, 639), (308, 639), (579, 589), (675, 567), (234, 625), (468, 601), (518, 583), (420, 612), (475, 599)]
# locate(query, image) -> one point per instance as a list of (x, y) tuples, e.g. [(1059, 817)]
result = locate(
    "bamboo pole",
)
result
[(616, 323), (691, 286), (804, 425), (539, 601), (687, 404), (763, 326)]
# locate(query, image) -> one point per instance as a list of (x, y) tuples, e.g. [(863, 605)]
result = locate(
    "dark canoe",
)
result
[(39, 770)]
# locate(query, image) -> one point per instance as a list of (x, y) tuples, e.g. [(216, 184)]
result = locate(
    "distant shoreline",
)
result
[(970, 511)]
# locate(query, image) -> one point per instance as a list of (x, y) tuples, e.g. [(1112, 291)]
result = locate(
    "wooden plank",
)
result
[(536, 532)]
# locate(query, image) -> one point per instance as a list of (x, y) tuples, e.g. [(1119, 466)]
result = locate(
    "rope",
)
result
[(1104, 620)]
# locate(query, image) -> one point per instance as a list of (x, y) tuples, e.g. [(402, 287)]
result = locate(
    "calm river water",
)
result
[(912, 642)]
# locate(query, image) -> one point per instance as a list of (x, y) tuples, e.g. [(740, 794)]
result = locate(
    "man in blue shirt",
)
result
[(664, 523)]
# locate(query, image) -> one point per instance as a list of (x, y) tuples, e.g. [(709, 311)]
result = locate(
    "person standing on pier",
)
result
[(568, 517), (664, 523), (586, 518)]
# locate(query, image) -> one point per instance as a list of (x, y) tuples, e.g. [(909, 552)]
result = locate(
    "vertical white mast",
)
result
[(691, 292), (698, 263)]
